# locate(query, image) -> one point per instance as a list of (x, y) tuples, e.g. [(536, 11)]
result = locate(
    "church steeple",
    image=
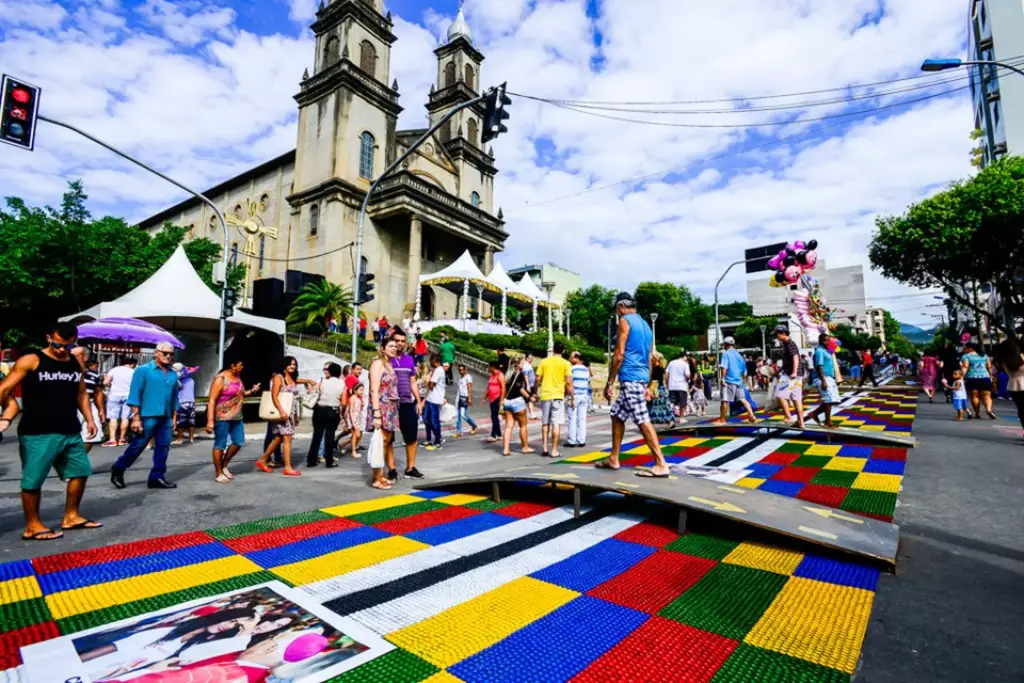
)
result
[(458, 81)]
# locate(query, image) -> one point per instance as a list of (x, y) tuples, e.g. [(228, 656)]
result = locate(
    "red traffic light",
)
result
[(21, 96)]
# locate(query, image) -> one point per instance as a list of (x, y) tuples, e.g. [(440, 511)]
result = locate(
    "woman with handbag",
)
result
[(326, 418), (382, 418), (516, 398), (224, 418), (281, 408)]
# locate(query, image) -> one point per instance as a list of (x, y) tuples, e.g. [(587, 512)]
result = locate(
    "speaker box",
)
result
[(295, 280), (268, 298)]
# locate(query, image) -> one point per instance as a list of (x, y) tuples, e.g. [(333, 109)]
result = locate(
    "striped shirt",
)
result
[(580, 379)]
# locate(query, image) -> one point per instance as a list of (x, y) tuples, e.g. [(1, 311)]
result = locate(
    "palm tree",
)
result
[(317, 303)]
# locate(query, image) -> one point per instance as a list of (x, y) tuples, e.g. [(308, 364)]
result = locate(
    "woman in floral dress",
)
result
[(383, 408), (286, 381)]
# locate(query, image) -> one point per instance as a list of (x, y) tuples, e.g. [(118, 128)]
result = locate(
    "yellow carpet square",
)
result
[(372, 505), (16, 590), (459, 499), (873, 428), (853, 423), (890, 483), (821, 622), (347, 560), (750, 482), (690, 443), (821, 449), (588, 457), (639, 450), (846, 464), (757, 556), (443, 677), (466, 629)]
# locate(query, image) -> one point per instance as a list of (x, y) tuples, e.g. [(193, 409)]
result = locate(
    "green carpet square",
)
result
[(24, 613), (269, 524), (397, 666), (875, 502), (838, 478), (790, 447), (749, 664), (699, 545), (396, 512), (816, 461), (488, 505), (728, 600)]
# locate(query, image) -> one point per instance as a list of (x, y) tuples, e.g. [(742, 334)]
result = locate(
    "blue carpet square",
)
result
[(592, 567), (554, 648), (856, 451), (760, 471), (430, 494), (835, 571), (460, 528), (315, 547), (885, 466), (18, 569), (782, 488)]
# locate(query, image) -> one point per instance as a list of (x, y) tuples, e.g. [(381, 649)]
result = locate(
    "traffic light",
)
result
[(19, 109), (230, 299), (497, 100), (365, 287)]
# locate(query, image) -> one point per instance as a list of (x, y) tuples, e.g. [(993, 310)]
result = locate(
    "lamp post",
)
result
[(568, 323), (946, 64), (764, 343), (718, 326), (654, 335), (548, 288)]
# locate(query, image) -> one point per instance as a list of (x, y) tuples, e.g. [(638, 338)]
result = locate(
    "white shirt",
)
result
[(436, 395), (406, 324), (678, 375), (121, 380), (465, 384), (331, 390)]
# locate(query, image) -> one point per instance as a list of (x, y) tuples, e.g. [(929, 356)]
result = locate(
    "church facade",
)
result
[(300, 211)]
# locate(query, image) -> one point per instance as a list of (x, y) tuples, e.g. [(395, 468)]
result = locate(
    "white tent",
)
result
[(508, 290), (456, 278), (528, 287), (177, 299)]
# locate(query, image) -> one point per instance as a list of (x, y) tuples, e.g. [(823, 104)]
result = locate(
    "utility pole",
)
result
[(654, 331), (764, 342), (548, 288)]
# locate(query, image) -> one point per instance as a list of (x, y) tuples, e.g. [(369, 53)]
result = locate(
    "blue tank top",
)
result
[(636, 366)]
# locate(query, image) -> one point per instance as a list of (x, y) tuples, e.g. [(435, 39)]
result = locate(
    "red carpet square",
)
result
[(655, 581)]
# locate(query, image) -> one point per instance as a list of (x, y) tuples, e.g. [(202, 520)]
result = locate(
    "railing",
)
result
[(475, 364), (437, 194)]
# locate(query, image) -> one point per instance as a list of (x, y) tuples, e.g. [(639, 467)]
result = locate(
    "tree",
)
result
[(317, 303), (856, 341), (969, 234), (894, 339), (748, 335), (681, 314), (58, 261), (591, 309), (737, 310)]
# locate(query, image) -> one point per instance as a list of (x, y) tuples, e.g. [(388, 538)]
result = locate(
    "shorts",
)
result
[(631, 403), (96, 420), (117, 408), (829, 391), (408, 422), (789, 389), (959, 404), (678, 398), (978, 384), (63, 452), (187, 415), (228, 430), (732, 393), (552, 412), (515, 405)]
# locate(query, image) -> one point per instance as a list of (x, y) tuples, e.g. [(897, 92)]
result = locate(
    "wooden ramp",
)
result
[(767, 430), (838, 530)]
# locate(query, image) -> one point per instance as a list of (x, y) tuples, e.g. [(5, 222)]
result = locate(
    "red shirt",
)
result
[(867, 358), (351, 381), (421, 347), (362, 324)]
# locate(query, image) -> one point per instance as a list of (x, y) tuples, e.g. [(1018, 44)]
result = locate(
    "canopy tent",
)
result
[(177, 299), (456, 278), (528, 287), (508, 292)]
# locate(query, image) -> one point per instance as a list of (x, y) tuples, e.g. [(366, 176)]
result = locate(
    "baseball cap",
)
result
[(729, 341), (623, 298), (781, 328)]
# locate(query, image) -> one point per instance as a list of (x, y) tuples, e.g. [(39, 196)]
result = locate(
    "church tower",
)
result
[(458, 81), (348, 115)]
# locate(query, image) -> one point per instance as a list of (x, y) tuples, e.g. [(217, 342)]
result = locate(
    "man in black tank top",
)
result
[(49, 434)]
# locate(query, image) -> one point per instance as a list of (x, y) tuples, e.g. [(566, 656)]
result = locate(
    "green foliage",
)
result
[(680, 313), (748, 335), (970, 233), (58, 261), (317, 303), (895, 342), (737, 310), (591, 308), (484, 346), (856, 341)]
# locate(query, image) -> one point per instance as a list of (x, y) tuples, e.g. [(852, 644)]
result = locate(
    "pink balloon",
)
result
[(774, 263), (812, 259), (793, 274), (799, 245)]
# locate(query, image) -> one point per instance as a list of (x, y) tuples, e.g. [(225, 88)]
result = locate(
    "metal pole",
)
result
[(568, 323), (718, 326), (654, 331), (764, 342), (366, 201), (981, 62), (197, 195), (548, 288)]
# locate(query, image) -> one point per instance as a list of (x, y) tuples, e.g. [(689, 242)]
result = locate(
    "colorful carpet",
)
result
[(475, 591)]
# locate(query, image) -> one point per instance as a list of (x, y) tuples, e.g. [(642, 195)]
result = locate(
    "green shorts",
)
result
[(63, 452)]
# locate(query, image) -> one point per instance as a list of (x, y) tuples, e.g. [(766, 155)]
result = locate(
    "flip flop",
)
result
[(87, 524), (264, 467), (648, 474), (39, 535), (605, 465)]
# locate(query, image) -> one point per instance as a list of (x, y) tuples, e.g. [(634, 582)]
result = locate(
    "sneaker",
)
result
[(458, 435), (393, 475), (433, 447), (414, 473), (472, 432)]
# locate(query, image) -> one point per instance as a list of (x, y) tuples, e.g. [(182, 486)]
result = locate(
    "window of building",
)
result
[(995, 113), (331, 51), (471, 128), (449, 74), (982, 13), (470, 77), (238, 211), (314, 220), (263, 246), (234, 253), (474, 199), (366, 145), (368, 57), (214, 223)]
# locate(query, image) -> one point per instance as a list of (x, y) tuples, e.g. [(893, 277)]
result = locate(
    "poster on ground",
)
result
[(719, 474), (263, 634)]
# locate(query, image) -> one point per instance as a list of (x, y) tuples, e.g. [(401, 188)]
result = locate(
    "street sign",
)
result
[(19, 110), (758, 258)]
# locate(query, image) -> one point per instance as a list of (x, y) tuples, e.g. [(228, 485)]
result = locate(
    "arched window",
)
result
[(471, 128), (470, 77), (314, 220), (446, 132), (331, 51), (263, 246), (474, 199), (366, 145), (449, 74), (368, 58)]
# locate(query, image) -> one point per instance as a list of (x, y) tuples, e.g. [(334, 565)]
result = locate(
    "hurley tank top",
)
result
[(50, 397), (636, 366)]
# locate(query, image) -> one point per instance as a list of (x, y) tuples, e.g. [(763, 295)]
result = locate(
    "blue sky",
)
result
[(203, 90)]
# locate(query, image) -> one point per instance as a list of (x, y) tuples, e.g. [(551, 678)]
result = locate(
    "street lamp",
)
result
[(946, 64), (548, 288), (654, 336), (764, 343), (568, 323)]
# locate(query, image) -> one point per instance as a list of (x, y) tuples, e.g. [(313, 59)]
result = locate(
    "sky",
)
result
[(203, 90)]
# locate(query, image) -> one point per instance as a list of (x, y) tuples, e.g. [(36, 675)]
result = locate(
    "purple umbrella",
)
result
[(127, 330)]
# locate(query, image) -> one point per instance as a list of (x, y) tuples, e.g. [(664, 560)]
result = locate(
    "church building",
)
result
[(300, 211)]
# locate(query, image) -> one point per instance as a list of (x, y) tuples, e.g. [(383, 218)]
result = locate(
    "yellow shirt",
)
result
[(554, 372)]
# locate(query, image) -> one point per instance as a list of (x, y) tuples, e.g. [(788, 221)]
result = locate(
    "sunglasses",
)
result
[(166, 353), (66, 347)]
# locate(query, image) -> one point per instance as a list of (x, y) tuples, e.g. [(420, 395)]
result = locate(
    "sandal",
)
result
[(606, 465), (44, 535), (291, 473), (507, 454), (529, 450), (84, 524), (222, 479), (381, 485), (648, 474), (264, 467), (226, 473)]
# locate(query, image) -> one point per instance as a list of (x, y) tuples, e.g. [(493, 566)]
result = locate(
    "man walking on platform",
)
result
[(49, 434), (790, 388), (153, 400), (868, 369), (732, 367), (631, 365)]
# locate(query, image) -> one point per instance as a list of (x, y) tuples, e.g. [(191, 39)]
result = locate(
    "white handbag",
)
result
[(268, 411), (375, 452)]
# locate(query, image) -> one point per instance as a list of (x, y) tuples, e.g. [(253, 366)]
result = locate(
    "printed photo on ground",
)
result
[(263, 634)]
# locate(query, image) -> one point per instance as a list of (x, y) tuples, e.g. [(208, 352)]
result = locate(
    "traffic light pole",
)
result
[(366, 201), (224, 287)]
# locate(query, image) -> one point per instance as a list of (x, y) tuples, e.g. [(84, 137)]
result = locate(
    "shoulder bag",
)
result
[(268, 411)]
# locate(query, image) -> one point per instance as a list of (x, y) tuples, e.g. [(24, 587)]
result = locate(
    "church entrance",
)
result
[(426, 303)]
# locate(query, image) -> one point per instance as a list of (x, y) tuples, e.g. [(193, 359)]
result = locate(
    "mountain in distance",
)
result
[(915, 334)]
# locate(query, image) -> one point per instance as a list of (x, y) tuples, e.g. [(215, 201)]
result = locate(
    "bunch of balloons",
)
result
[(792, 262)]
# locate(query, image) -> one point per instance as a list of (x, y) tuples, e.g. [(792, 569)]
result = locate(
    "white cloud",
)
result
[(35, 13), (187, 28)]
